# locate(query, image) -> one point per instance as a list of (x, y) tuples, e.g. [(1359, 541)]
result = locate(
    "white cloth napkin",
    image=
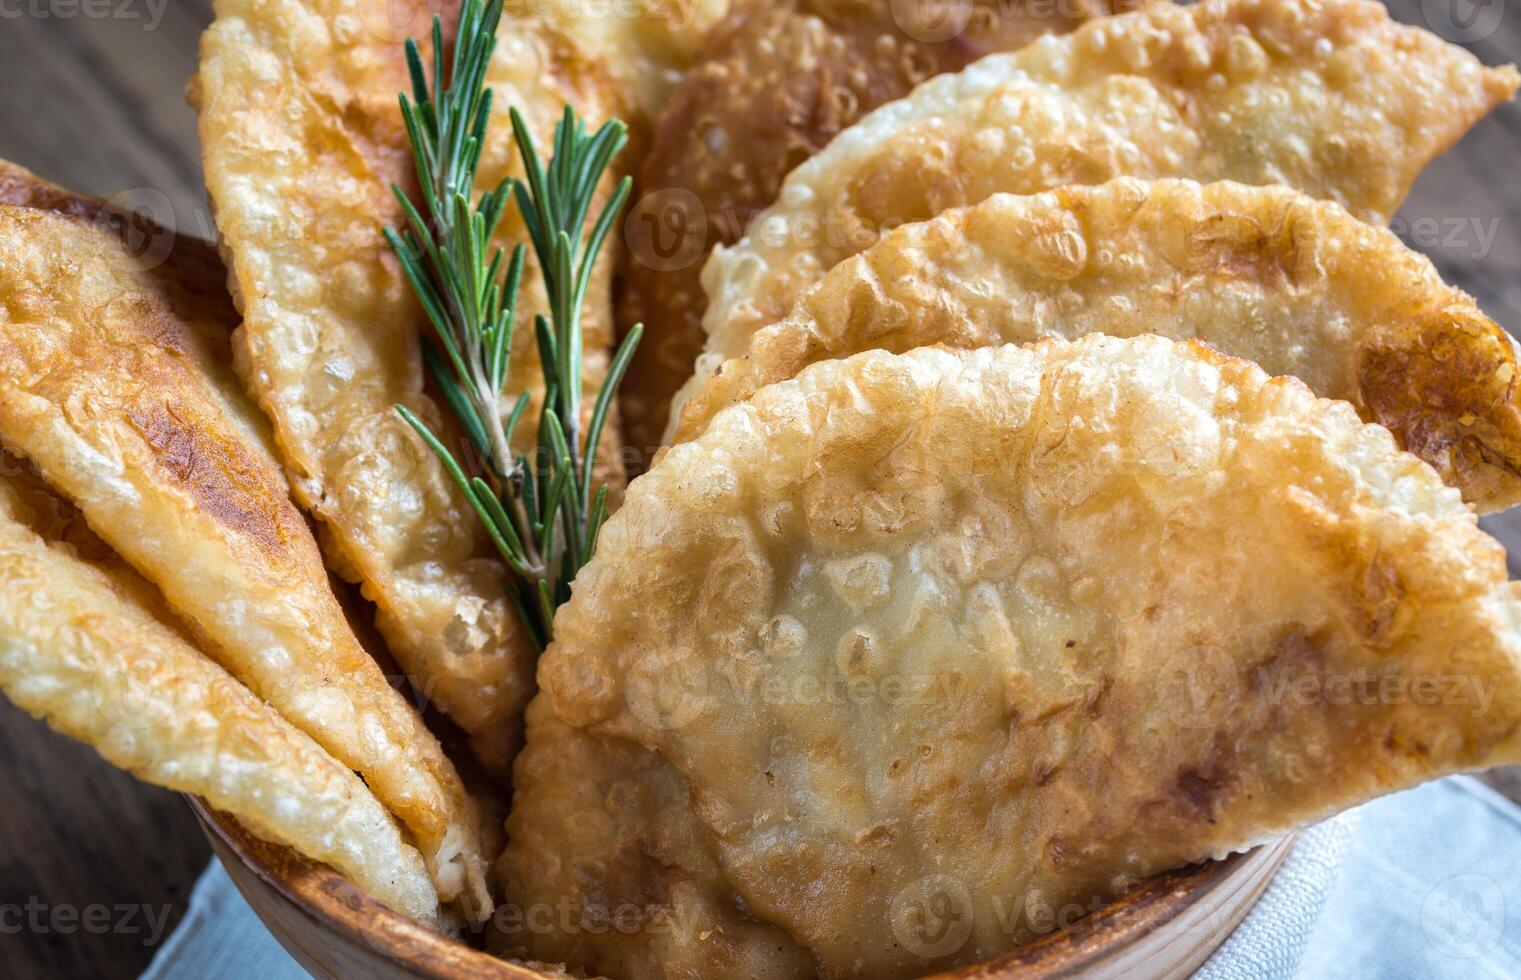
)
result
[(1425, 883), (1429, 888), (221, 937), (1270, 941)]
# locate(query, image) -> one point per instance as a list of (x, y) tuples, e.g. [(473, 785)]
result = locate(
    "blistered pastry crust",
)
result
[(85, 646), (1298, 286), (1330, 97), (114, 384), (302, 139), (1016, 627), (777, 81)]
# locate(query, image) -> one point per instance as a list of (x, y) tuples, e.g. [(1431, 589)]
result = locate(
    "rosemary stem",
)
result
[(535, 562), (573, 438), (541, 510)]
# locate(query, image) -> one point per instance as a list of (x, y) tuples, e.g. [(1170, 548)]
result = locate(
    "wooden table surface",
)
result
[(97, 104)]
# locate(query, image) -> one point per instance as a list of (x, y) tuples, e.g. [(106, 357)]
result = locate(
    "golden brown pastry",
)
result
[(113, 384), (645, 46), (302, 138), (86, 645), (21, 187), (1297, 285), (610, 816), (1016, 627), (1330, 97), (778, 80), (151, 242)]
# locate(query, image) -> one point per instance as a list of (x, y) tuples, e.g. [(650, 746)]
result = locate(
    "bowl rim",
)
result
[(328, 901)]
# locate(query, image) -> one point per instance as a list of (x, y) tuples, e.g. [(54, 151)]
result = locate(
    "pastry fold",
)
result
[(87, 646), (953, 636), (1329, 97), (114, 383)]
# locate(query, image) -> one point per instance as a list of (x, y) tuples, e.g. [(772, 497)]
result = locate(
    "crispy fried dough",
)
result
[(611, 809), (1018, 623), (85, 646), (302, 137), (188, 267), (21, 187), (1327, 96), (1297, 285), (118, 400), (646, 46), (777, 82), (196, 259)]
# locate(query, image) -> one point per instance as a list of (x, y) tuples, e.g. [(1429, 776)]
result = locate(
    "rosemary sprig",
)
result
[(541, 510)]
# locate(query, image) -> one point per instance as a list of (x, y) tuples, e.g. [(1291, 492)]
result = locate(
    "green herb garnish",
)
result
[(540, 509)]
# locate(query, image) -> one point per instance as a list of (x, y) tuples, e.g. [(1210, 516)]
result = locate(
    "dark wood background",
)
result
[(97, 103)]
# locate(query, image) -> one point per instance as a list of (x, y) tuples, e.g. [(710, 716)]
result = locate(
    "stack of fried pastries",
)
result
[(913, 617), (1007, 624), (1052, 431), (151, 543)]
